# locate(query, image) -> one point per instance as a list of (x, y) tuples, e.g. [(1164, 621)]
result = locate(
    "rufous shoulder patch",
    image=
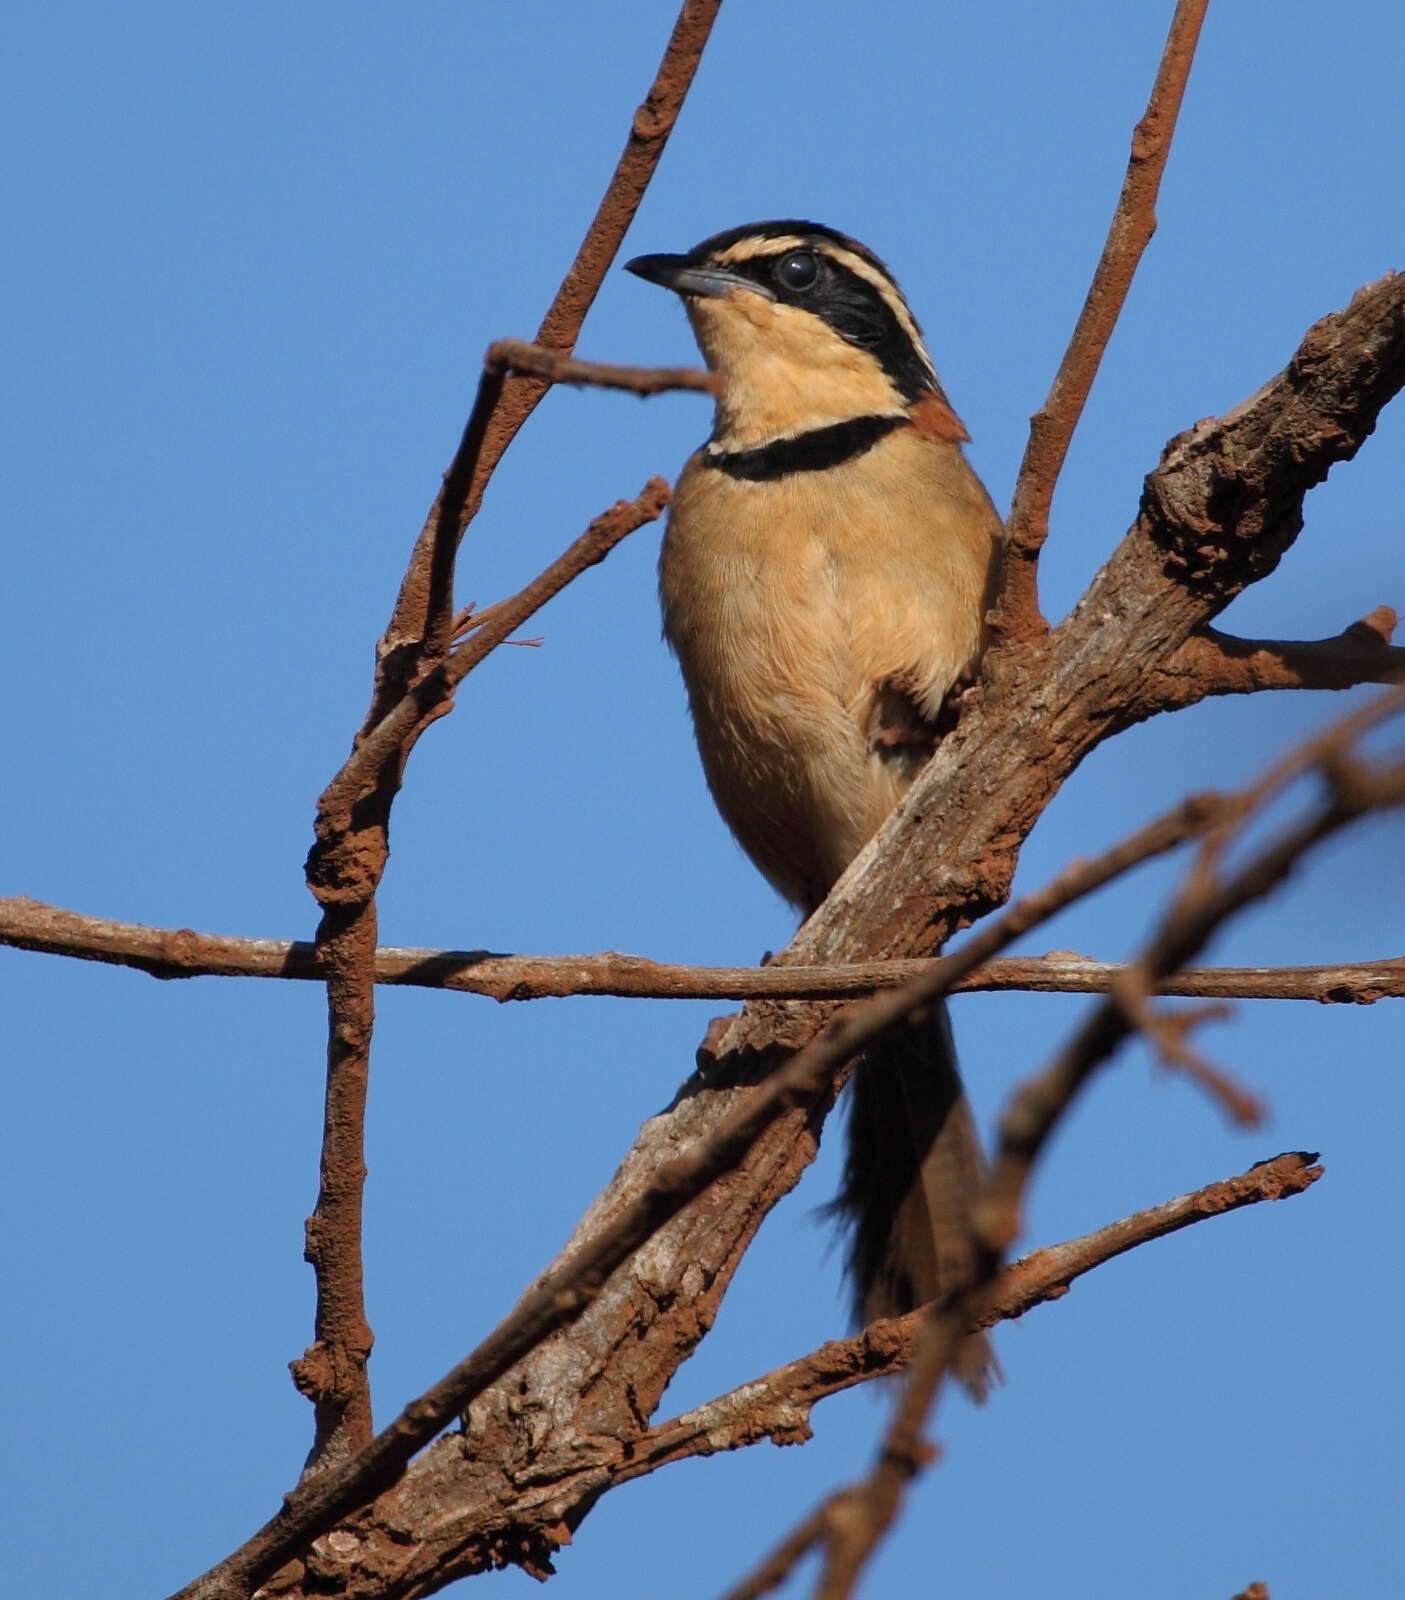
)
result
[(932, 416)]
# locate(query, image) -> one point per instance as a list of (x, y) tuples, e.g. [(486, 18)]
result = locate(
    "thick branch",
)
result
[(1218, 512), (647, 1204), (166, 953)]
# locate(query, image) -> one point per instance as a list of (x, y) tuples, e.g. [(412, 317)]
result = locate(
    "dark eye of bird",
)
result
[(798, 270)]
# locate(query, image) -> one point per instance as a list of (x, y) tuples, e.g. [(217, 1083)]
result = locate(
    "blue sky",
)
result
[(255, 255)]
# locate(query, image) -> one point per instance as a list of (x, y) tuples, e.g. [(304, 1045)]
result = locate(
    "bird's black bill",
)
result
[(683, 277)]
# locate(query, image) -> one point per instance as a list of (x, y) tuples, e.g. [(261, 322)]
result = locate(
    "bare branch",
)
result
[(432, 696), (1169, 1035), (504, 404), (344, 871), (1202, 906), (563, 1294), (1217, 513), (1051, 428), (1204, 903), (777, 1566), (169, 953), (1214, 663), (1350, 983), (776, 1405), (346, 863), (516, 355)]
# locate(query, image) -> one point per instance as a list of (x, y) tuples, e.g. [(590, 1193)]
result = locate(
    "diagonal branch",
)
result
[(1051, 427), (419, 615), (432, 695), (1218, 512), (884, 1348), (1206, 900), (580, 1276), (776, 1405)]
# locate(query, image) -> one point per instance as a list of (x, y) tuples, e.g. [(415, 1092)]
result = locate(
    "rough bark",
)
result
[(1216, 515)]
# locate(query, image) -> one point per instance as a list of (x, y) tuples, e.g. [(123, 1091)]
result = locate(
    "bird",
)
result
[(825, 576)]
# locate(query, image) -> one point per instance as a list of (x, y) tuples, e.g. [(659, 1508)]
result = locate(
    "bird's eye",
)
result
[(798, 270)]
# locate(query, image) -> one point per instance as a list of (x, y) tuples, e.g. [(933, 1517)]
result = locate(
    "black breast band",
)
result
[(805, 452)]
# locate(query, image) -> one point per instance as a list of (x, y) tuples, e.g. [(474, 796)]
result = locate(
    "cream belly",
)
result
[(809, 614)]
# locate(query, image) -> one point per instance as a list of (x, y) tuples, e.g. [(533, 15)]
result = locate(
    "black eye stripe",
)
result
[(852, 306)]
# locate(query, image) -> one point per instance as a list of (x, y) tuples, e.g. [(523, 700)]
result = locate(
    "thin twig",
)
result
[(1051, 427), (1201, 907), (432, 695), (777, 1404), (771, 1572), (472, 617), (1168, 1032), (170, 953), (505, 403), (517, 355)]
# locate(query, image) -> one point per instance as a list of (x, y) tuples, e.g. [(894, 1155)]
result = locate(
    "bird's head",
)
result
[(805, 327)]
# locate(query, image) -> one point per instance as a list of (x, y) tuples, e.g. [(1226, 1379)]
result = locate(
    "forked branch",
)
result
[(577, 1280), (413, 685)]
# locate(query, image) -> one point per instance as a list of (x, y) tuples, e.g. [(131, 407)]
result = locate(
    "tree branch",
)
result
[(644, 1204), (432, 695), (1206, 900), (499, 413), (1214, 663), (516, 355), (776, 1405), (1017, 615), (170, 953), (348, 859), (344, 871), (1217, 513)]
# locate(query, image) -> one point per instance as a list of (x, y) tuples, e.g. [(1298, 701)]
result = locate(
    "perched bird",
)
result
[(825, 576)]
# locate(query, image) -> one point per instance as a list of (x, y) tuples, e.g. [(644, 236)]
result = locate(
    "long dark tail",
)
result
[(914, 1164)]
